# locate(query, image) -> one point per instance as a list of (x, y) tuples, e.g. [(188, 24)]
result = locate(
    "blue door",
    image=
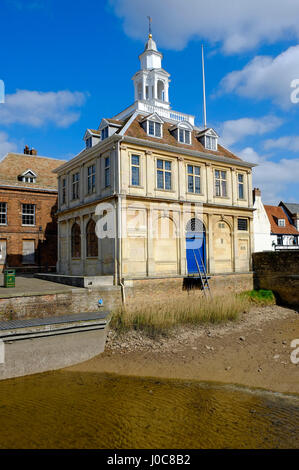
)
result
[(196, 250)]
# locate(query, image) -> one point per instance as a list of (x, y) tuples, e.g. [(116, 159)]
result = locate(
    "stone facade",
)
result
[(150, 176)]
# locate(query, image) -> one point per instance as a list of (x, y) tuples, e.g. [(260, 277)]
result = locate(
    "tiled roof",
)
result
[(274, 213), (94, 131), (14, 164), (292, 207), (136, 130), (115, 121)]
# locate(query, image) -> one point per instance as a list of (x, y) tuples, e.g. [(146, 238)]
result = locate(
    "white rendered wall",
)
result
[(261, 227)]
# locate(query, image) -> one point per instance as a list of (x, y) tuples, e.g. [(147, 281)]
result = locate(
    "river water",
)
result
[(66, 409)]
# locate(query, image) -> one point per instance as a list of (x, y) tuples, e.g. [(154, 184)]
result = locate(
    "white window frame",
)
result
[(212, 140), (28, 214), (133, 165), (91, 179), (164, 171), (185, 133), (3, 212), (194, 176), (241, 183), (281, 222), (155, 123), (107, 172), (221, 180), (75, 186)]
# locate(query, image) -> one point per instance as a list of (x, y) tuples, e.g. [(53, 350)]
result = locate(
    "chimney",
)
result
[(256, 193), (28, 151)]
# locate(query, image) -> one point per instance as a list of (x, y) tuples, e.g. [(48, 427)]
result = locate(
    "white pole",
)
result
[(204, 89)]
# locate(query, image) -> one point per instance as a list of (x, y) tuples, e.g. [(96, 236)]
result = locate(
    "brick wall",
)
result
[(68, 303), (44, 233), (279, 272), (85, 300)]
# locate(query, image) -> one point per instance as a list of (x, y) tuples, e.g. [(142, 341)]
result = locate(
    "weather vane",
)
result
[(149, 26)]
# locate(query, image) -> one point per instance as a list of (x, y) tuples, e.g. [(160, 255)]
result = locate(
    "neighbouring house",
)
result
[(261, 224), (28, 205), (152, 166), (292, 211), (284, 235)]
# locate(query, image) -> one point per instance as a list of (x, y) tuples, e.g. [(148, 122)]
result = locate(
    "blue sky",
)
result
[(67, 64)]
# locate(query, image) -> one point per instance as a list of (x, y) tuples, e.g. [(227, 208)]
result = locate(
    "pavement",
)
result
[(27, 285)]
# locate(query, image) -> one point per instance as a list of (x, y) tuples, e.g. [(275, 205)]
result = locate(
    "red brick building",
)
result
[(28, 204)]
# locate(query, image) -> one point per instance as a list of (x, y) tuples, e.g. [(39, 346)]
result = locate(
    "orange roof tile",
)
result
[(274, 213)]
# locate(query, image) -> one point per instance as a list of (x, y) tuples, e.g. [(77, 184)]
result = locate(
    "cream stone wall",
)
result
[(146, 212)]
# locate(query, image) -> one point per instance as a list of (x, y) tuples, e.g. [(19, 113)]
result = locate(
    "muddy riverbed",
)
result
[(67, 409)]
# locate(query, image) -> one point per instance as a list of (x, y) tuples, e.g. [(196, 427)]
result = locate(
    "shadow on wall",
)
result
[(45, 255), (279, 272)]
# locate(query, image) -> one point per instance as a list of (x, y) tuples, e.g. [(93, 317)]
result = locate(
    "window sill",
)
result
[(136, 186), (165, 190), (28, 225), (155, 136), (194, 194)]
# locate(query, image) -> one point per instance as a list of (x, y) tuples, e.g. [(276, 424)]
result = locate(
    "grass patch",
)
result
[(261, 297), (157, 318)]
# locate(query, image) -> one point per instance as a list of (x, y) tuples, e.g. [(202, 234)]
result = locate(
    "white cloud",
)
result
[(285, 143), (235, 130), (266, 77), (36, 108), (238, 25), (273, 178), (5, 145)]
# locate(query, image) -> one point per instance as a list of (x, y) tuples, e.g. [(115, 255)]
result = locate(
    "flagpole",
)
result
[(204, 88)]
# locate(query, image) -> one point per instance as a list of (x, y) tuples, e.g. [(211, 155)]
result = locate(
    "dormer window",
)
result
[(182, 132), (209, 139), (153, 125), (184, 136), (281, 223), (154, 128), (104, 133), (211, 143), (89, 143), (27, 177)]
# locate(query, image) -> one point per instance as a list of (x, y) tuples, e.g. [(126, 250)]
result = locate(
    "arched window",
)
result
[(91, 240), (161, 92), (76, 241), (195, 225)]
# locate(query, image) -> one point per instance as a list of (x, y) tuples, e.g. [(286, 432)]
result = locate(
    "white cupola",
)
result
[(151, 83)]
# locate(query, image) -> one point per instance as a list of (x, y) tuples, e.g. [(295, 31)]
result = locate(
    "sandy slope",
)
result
[(255, 352)]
